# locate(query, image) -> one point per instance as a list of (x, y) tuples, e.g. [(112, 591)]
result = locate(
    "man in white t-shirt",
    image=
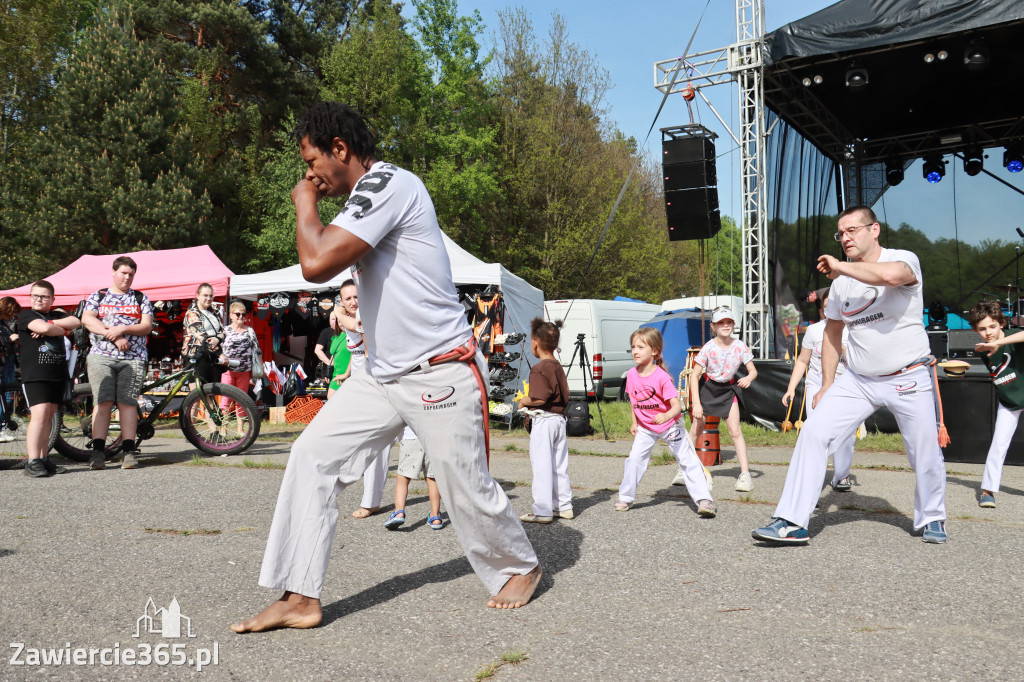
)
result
[(877, 296), (422, 370)]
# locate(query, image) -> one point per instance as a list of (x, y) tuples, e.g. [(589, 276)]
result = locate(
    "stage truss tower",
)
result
[(742, 62)]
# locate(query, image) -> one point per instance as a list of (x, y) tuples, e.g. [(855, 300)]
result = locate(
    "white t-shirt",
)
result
[(407, 300), (356, 345), (813, 340), (886, 324)]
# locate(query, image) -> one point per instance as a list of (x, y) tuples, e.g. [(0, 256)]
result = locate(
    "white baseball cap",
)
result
[(722, 313)]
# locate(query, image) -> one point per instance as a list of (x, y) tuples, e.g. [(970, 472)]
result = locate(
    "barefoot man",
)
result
[(413, 321)]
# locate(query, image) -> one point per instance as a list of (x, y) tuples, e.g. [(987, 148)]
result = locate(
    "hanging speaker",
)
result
[(691, 195)]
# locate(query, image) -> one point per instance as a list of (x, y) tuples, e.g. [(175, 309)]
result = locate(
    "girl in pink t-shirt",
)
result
[(715, 390), (655, 413)]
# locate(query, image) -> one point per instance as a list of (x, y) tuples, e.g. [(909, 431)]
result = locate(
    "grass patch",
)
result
[(663, 457), (244, 529), (250, 463), (512, 447), (175, 531), (510, 657), (204, 462)]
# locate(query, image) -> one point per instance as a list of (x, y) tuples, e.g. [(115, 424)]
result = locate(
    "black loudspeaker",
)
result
[(962, 342), (939, 342), (691, 197), (684, 202), (689, 175), (687, 149)]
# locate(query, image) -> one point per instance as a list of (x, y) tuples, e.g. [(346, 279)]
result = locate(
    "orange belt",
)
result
[(929, 361), (467, 353)]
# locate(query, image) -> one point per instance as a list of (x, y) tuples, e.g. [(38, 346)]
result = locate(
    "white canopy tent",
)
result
[(523, 301)]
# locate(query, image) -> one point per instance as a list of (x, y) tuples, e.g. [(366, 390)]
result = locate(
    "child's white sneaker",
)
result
[(744, 484)]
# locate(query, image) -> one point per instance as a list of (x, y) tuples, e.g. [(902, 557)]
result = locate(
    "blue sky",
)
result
[(627, 38)]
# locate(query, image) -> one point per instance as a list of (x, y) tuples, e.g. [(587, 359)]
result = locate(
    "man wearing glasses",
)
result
[(877, 296)]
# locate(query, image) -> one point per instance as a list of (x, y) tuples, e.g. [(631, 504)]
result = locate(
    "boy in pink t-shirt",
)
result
[(656, 410)]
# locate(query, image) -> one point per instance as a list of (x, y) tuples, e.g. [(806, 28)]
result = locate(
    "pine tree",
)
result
[(110, 172)]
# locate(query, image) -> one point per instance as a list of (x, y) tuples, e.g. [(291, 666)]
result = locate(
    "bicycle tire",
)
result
[(74, 428), (231, 436), (17, 446)]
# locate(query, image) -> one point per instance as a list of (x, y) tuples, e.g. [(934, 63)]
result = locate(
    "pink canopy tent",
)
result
[(167, 275)]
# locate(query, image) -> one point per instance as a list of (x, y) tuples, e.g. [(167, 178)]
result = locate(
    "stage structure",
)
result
[(743, 63), (872, 85)]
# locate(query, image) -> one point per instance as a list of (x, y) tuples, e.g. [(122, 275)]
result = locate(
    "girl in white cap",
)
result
[(716, 391)]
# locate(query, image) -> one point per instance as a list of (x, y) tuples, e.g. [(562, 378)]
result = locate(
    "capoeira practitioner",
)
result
[(422, 369), (810, 359), (877, 294)]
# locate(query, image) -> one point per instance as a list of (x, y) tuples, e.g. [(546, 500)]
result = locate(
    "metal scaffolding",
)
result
[(742, 62)]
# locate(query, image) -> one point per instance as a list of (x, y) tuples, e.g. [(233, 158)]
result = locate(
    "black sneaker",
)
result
[(52, 468), (36, 468)]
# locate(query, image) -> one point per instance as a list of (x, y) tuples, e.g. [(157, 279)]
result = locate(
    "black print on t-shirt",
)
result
[(373, 182), (357, 206)]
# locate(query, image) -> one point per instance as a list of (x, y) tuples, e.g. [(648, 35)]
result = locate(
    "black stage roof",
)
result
[(909, 106)]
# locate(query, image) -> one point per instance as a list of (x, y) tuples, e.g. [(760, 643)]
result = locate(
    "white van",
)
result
[(606, 327)]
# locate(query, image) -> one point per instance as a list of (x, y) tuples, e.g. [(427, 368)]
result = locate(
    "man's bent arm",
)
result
[(323, 251), (894, 274)]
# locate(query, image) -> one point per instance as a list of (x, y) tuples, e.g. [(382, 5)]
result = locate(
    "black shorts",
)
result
[(38, 392)]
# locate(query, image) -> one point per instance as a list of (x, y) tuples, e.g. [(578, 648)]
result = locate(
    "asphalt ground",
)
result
[(652, 593)]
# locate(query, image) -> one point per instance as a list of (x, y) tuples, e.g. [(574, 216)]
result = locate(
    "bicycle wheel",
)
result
[(227, 425), (74, 432), (13, 443)]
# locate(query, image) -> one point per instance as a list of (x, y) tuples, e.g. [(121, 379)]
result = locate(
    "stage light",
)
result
[(934, 168), (856, 78), (1013, 160), (806, 82), (976, 57), (943, 55), (973, 161), (818, 80), (894, 172), (929, 58)]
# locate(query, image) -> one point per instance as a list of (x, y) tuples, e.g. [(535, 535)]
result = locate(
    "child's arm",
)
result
[(538, 384), (634, 425), (751, 375), (801, 363), (990, 347), (674, 410), (695, 406), (40, 328)]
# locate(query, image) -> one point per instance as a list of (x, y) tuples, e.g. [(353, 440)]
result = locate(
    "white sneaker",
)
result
[(6, 436), (679, 479), (744, 484)]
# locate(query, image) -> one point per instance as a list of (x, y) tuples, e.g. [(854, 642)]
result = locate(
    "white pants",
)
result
[(842, 457), (361, 419), (1006, 425), (910, 396), (375, 478), (678, 441), (549, 457)]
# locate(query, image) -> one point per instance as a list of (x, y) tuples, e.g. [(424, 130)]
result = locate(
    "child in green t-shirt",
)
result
[(1004, 357), (340, 357)]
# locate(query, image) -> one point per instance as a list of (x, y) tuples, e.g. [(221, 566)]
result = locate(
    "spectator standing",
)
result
[(119, 318)]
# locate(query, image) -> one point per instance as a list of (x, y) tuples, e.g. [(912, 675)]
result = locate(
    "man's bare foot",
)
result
[(364, 512), (517, 591), (292, 610)]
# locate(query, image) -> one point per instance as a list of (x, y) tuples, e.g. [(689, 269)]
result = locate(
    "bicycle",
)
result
[(16, 425), (206, 425)]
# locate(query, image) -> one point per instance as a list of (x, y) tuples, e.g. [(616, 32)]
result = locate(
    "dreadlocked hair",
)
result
[(546, 333), (325, 121)]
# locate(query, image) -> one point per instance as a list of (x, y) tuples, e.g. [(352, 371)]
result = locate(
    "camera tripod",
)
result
[(581, 349)]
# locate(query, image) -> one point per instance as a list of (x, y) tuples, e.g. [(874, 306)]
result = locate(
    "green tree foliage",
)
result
[(37, 37), (111, 171), (561, 169)]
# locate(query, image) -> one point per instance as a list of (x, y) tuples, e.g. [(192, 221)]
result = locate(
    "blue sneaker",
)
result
[(935, 532), (988, 500), (781, 530)]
